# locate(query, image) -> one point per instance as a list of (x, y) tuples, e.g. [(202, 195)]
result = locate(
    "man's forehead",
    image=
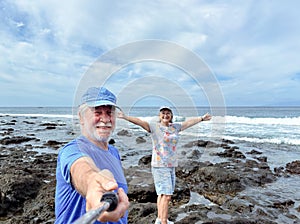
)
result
[(102, 107)]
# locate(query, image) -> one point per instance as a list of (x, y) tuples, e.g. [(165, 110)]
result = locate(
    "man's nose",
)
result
[(105, 118)]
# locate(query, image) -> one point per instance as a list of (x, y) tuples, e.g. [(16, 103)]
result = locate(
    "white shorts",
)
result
[(164, 180)]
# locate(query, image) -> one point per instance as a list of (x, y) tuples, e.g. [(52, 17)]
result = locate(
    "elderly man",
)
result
[(88, 166)]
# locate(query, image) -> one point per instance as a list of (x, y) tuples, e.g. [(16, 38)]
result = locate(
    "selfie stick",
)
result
[(110, 202)]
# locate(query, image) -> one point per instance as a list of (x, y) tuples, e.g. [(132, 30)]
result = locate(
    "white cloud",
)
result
[(252, 46)]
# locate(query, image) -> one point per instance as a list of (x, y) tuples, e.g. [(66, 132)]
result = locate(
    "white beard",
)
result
[(106, 135)]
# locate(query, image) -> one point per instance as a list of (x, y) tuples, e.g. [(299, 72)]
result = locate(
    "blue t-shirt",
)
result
[(69, 204)]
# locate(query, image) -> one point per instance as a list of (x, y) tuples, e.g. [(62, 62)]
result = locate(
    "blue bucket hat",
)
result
[(99, 96)]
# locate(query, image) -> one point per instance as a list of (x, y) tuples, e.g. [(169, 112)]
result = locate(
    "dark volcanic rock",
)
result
[(140, 140), (16, 189), (201, 143), (231, 152), (27, 188), (293, 167), (124, 133), (253, 151), (145, 161), (54, 144), (15, 140)]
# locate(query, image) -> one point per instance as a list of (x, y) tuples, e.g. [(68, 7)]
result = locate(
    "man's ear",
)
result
[(80, 118)]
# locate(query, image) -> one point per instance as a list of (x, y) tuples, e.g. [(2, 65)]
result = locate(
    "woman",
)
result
[(165, 135)]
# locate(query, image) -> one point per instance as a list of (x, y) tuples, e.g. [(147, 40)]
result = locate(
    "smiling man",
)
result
[(88, 166)]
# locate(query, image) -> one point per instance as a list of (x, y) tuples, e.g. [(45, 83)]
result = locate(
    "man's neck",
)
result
[(101, 144)]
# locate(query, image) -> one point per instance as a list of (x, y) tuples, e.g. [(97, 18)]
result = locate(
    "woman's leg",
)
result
[(158, 206), (163, 208), (164, 181)]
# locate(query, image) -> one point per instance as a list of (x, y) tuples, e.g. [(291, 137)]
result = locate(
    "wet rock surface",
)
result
[(27, 186), (205, 192)]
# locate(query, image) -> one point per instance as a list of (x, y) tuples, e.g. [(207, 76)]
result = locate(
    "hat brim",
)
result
[(165, 108), (102, 103)]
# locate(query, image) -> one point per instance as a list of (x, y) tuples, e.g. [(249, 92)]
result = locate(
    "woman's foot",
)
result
[(157, 221)]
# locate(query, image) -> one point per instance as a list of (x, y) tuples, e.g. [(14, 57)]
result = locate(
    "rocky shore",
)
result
[(205, 192)]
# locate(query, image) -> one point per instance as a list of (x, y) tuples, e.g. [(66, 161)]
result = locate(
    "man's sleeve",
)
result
[(67, 156)]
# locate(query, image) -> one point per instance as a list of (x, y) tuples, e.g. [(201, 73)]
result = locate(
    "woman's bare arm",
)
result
[(144, 124), (191, 122)]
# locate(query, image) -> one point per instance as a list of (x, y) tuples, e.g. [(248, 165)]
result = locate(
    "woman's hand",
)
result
[(121, 115), (206, 117)]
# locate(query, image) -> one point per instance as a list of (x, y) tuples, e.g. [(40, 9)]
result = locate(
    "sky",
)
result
[(249, 49)]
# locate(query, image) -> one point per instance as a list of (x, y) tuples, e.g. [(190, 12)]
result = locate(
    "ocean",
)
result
[(277, 125), (275, 130), (274, 125)]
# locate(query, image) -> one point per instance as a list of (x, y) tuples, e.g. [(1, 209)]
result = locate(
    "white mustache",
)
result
[(102, 124)]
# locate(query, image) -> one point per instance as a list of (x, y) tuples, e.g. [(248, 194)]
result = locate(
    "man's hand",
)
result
[(104, 181), (99, 183), (92, 183), (119, 212)]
